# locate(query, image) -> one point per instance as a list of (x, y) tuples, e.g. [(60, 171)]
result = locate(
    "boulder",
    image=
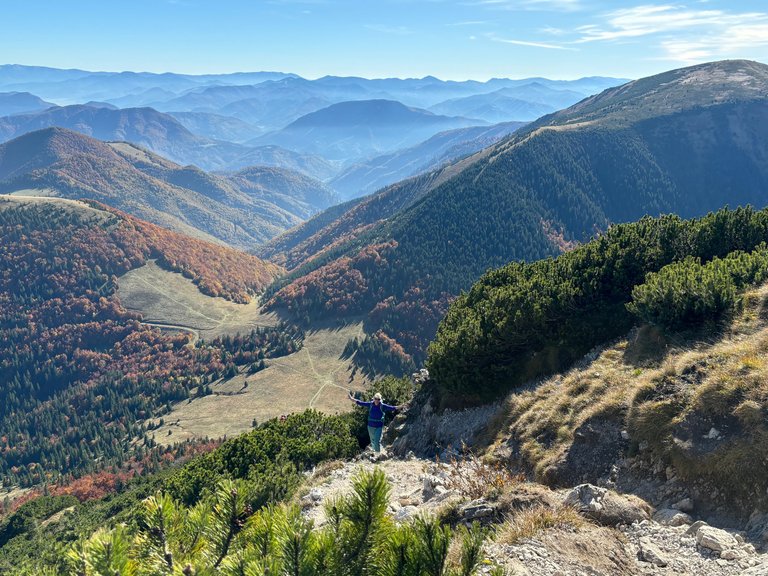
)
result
[(412, 498), (715, 539), (476, 510), (670, 517), (605, 507), (694, 528), (732, 554), (444, 495), (651, 553)]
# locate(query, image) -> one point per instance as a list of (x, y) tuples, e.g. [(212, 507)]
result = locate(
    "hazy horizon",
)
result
[(448, 39), (290, 72)]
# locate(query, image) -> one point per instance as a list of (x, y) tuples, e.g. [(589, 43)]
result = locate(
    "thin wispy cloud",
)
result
[(558, 5), (651, 19), (680, 33), (728, 43), (552, 31), (530, 43)]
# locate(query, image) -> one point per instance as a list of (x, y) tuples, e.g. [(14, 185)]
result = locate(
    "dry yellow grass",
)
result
[(532, 522), (685, 389), (544, 419)]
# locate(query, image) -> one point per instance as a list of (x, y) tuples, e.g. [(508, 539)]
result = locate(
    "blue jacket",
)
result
[(376, 413)]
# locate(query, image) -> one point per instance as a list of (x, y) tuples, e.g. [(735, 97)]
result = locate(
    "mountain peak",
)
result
[(356, 111), (696, 86)]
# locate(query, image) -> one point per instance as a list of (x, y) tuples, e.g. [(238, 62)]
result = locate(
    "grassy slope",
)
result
[(668, 392)]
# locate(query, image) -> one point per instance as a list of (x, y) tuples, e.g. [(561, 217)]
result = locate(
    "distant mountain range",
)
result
[(524, 103), (77, 86), (350, 131), (272, 100), (362, 128), (242, 210), (162, 134), (216, 126), (371, 175), (318, 127), (687, 141)]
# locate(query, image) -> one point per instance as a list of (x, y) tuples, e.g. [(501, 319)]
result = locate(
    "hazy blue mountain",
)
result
[(165, 135), (143, 98), (277, 110), (523, 103), (217, 126), (11, 74), (158, 132), (213, 98), (358, 129), (368, 176), (75, 86), (20, 102), (273, 104), (269, 105), (97, 104), (494, 107), (539, 92)]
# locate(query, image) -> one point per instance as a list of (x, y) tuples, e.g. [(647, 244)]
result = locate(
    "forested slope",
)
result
[(687, 142), (80, 372), (525, 320)]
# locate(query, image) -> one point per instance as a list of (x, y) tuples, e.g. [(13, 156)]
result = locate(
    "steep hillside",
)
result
[(290, 190), (63, 163), (528, 319), (688, 141), (357, 129), (371, 175), (334, 230), (77, 366)]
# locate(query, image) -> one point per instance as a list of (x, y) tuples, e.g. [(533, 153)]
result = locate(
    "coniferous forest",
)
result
[(526, 320)]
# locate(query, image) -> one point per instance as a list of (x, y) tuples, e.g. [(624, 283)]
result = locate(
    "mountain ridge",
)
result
[(187, 199), (558, 181), (359, 128)]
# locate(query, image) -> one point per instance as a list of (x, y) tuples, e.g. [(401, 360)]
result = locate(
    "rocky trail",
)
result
[(613, 534)]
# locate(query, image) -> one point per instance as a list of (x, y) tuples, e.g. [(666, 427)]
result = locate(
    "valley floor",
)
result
[(314, 377)]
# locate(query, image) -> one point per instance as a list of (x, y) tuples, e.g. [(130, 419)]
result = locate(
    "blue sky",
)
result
[(450, 39)]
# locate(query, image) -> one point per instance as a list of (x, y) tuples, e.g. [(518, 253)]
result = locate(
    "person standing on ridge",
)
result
[(376, 410)]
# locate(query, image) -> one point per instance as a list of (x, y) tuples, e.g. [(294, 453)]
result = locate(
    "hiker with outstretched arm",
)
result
[(376, 410)]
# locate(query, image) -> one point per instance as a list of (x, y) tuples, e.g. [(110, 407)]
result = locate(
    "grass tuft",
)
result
[(533, 521)]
